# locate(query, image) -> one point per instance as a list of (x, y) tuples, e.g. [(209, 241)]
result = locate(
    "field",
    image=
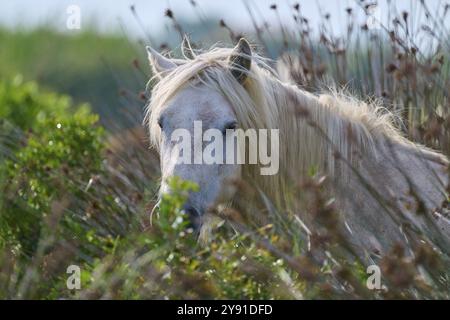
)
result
[(78, 181)]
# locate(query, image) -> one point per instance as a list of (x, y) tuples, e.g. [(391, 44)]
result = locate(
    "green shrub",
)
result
[(27, 107), (168, 262), (60, 150)]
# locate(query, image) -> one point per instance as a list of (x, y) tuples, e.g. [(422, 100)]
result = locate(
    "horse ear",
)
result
[(186, 48), (159, 63), (241, 60)]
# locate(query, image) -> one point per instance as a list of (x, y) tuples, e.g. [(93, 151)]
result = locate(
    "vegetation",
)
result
[(89, 67), (73, 193)]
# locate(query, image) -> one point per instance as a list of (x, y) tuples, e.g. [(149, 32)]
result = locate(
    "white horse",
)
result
[(383, 183)]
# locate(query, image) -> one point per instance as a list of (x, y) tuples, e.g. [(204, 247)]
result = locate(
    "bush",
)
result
[(166, 261), (27, 107), (60, 149)]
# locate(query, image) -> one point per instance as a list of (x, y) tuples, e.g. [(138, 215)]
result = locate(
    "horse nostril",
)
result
[(195, 219)]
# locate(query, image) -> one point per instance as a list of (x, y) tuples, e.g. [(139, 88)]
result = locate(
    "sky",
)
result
[(109, 15)]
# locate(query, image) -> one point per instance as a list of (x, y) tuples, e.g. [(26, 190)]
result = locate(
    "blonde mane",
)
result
[(314, 130)]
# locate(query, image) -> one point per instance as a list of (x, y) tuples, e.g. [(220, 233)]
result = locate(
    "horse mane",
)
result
[(315, 130)]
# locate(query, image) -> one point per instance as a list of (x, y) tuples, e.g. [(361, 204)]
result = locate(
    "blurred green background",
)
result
[(89, 67)]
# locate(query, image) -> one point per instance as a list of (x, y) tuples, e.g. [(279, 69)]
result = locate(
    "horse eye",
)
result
[(160, 122), (230, 126)]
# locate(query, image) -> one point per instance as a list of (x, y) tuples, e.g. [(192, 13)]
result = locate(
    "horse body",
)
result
[(386, 187), (384, 184), (396, 195)]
